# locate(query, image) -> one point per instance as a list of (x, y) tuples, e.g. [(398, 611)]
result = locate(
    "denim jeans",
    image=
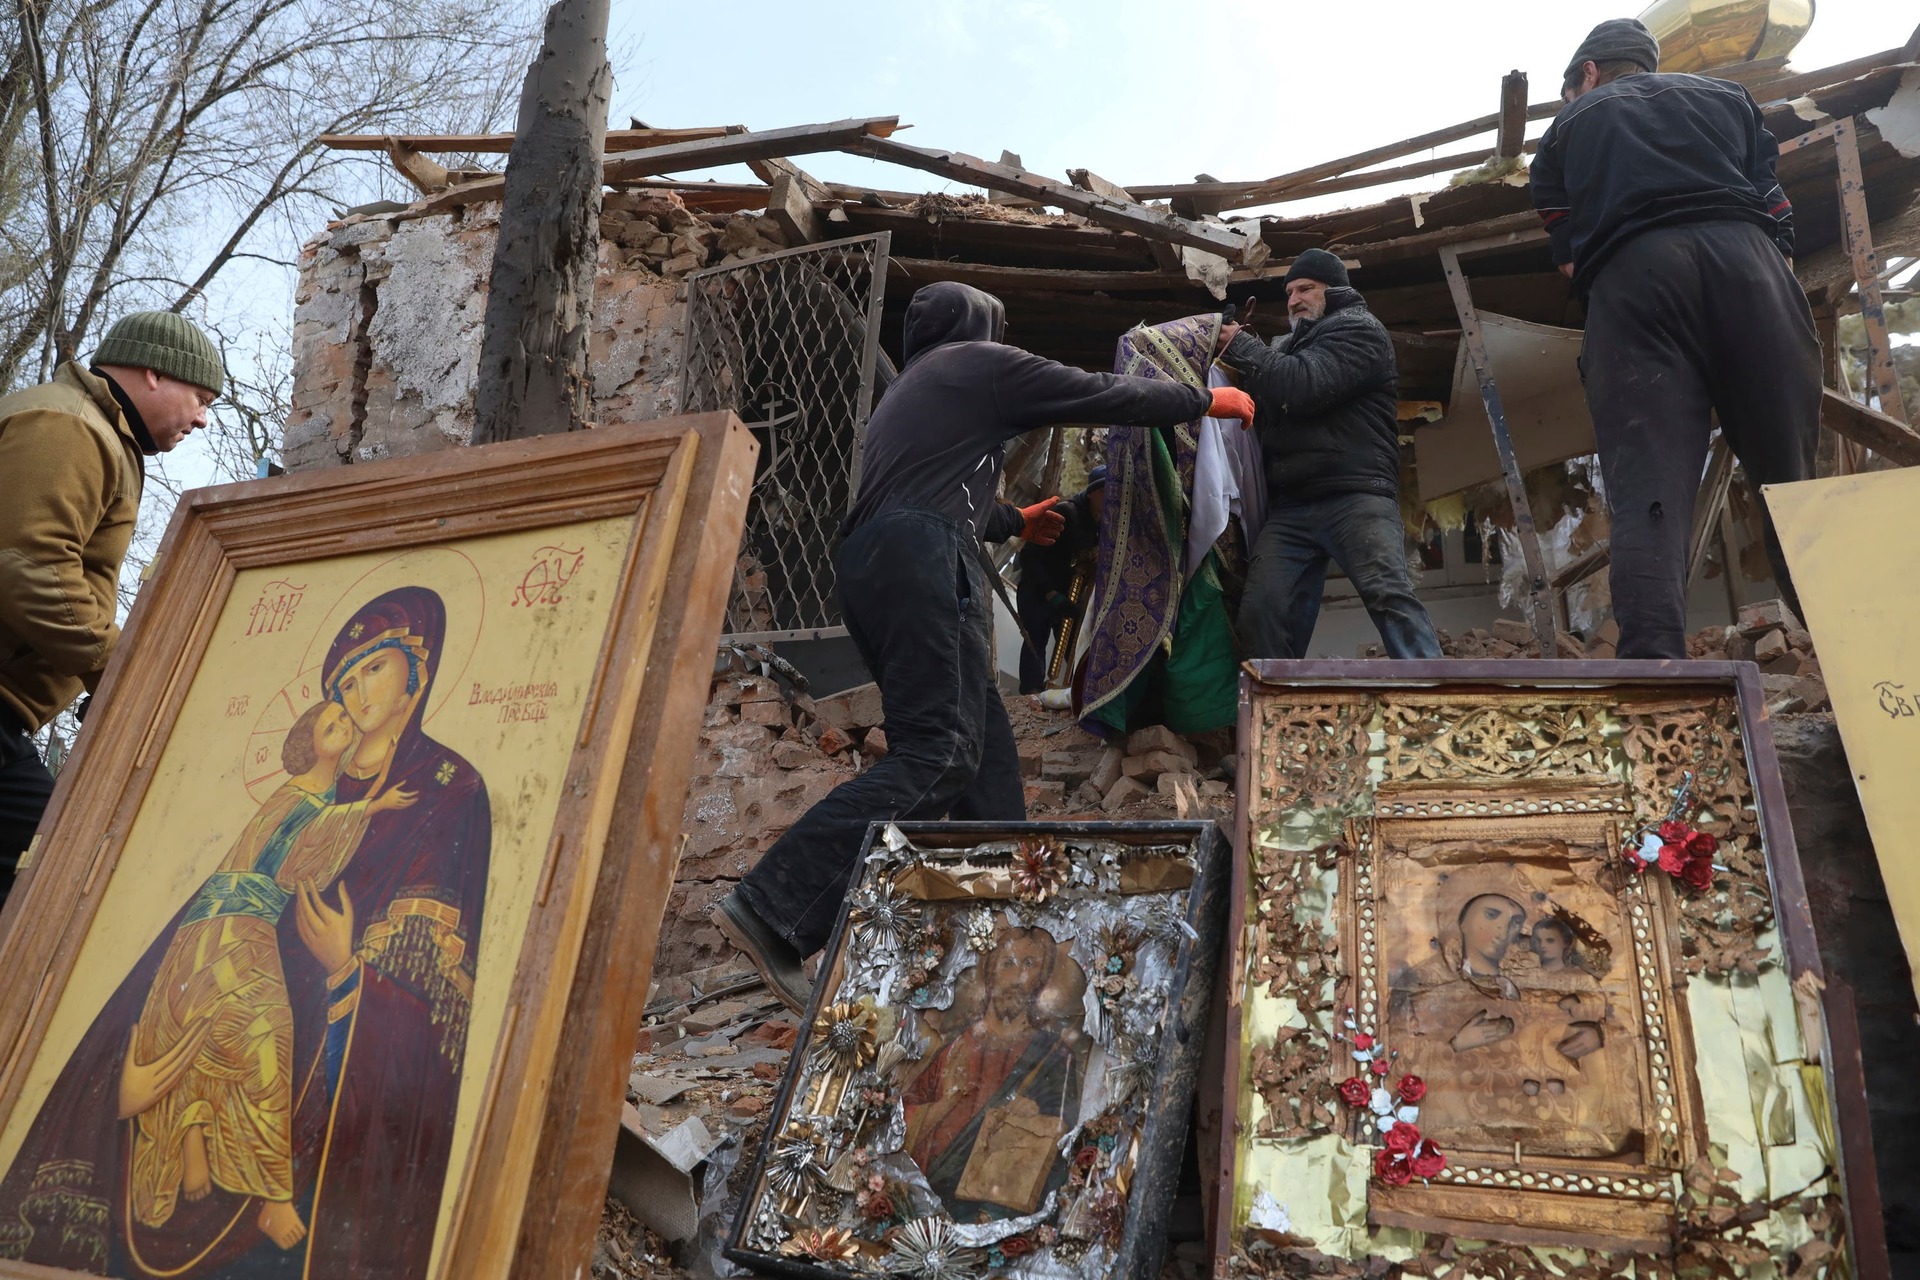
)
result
[(1287, 573), (915, 598)]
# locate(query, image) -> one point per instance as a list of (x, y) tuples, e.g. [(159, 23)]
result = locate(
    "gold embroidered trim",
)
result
[(419, 943)]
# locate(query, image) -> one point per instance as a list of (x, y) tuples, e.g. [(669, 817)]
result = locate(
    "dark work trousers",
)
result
[(25, 787), (1684, 322), (1040, 620), (915, 598), (1287, 575)]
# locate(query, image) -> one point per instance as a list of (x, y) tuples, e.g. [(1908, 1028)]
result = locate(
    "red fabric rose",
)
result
[(1630, 854), (1701, 845), (1086, 1156), (1673, 858), (1699, 875), (1412, 1088), (879, 1206), (1427, 1162), (1380, 1066), (1675, 832), (1361, 1040), (1354, 1091), (1403, 1138), (1392, 1169), (1016, 1247)]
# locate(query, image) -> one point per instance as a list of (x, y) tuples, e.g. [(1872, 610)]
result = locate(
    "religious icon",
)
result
[(263, 1033), (277, 919), (1552, 1066), (1478, 1014), (998, 1063), (986, 1112)]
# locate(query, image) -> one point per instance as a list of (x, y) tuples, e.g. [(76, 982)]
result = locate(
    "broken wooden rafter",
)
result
[(501, 143), (1021, 280), (1241, 195), (706, 153), (1513, 230), (1156, 224), (800, 140), (1513, 115), (1887, 436)]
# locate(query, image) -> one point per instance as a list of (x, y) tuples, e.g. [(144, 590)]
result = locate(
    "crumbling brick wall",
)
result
[(389, 308)]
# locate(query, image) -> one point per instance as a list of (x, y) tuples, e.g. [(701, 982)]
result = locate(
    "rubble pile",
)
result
[(656, 232), (768, 752), (1154, 774), (1766, 634)]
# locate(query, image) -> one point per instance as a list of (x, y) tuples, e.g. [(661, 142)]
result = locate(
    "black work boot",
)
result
[(775, 957)]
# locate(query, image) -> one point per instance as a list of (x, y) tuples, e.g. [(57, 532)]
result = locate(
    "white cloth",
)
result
[(1229, 478)]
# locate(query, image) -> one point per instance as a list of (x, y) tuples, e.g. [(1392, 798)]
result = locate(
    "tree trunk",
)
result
[(533, 351)]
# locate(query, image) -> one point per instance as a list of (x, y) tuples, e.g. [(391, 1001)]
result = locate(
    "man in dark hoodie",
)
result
[(915, 595), (1327, 394), (1659, 194)]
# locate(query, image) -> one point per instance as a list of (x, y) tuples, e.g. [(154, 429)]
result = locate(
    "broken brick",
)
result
[(1157, 737)]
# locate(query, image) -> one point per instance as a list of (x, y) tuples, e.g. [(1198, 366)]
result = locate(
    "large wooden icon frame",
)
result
[(543, 613), (996, 1069), (1430, 883)]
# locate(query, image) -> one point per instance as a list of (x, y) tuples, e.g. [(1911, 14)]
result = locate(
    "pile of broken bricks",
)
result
[(1153, 769)]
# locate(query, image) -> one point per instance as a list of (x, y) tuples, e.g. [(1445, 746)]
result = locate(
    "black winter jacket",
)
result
[(937, 439), (1325, 396), (1649, 151)]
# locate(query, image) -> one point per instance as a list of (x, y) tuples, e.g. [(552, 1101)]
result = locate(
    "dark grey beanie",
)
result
[(1618, 40), (165, 343), (1318, 264)]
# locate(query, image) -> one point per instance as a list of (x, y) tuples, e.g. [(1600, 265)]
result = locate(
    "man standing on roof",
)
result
[(914, 592), (71, 453), (1328, 396), (1659, 193)]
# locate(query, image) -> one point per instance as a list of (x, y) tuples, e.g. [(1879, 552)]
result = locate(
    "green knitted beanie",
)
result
[(165, 343)]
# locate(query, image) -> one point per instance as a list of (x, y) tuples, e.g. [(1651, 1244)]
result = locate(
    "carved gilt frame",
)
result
[(527, 1198)]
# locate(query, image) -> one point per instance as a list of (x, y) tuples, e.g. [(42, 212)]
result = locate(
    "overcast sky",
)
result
[(1138, 92)]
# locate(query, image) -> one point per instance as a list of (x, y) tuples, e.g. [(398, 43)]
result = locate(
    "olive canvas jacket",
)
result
[(71, 472)]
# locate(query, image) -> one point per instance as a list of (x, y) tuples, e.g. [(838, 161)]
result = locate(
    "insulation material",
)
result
[(1536, 367)]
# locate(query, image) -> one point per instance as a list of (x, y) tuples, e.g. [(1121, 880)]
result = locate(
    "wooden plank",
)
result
[(1235, 246), (787, 205), (1400, 173), (1887, 436), (707, 153), (1513, 230), (1022, 280), (1581, 567), (805, 139), (1538, 604), (1513, 115), (1858, 233), (1273, 188), (1712, 500), (1808, 138), (501, 143)]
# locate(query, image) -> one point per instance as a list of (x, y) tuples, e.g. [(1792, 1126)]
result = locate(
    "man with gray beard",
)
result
[(1326, 396)]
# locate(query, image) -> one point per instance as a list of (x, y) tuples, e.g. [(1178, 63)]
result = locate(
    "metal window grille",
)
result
[(788, 341)]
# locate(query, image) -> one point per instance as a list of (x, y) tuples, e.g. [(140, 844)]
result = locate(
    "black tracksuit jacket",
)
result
[(1650, 151)]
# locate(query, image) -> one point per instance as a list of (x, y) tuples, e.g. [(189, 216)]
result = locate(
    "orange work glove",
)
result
[(1042, 523), (1232, 402)]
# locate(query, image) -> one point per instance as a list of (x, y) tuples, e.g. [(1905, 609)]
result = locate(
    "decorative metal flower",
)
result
[(979, 931), (793, 1167), (828, 1244), (926, 1248), (843, 1036), (1039, 870), (1131, 1078), (884, 917), (1166, 922)]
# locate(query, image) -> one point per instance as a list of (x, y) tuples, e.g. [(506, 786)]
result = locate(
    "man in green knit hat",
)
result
[(72, 462)]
